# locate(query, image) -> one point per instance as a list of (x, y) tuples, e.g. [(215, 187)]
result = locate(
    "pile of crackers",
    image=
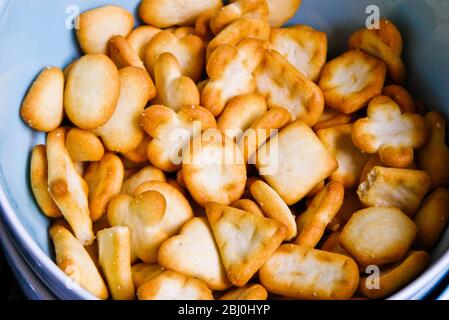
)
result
[(212, 153)]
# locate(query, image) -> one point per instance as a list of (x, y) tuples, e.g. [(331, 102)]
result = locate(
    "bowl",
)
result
[(29, 283), (38, 33)]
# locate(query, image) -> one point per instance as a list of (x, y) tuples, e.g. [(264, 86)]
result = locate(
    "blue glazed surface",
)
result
[(33, 35), (30, 284)]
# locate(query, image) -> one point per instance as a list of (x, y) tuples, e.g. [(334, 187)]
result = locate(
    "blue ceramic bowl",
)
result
[(30, 284), (33, 35)]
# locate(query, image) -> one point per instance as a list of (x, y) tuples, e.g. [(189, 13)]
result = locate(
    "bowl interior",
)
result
[(33, 35)]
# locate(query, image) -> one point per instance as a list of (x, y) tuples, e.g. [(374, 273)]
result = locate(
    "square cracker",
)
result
[(302, 162)]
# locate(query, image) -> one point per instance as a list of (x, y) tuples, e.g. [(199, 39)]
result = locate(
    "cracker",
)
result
[(114, 251), (304, 47), (139, 154), (432, 218), (167, 13), (174, 90), (282, 11), (202, 25), (194, 253), (349, 81), (397, 276), (123, 54), (332, 244), (39, 182), (261, 130), (351, 204), (170, 285), (376, 236), (401, 96), (313, 222), (283, 85), (248, 292), (400, 188), (245, 240), (390, 133), (91, 92), (316, 190), (171, 132), (351, 160), (188, 50), (73, 259), (146, 174), (42, 108), (237, 31), (178, 210), (248, 206), (274, 207), (434, 156), (301, 157), (67, 188), (238, 9), (230, 71), (98, 25), (156, 213), (144, 272), (122, 132), (104, 179), (384, 43), (295, 272), (83, 145), (213, 168), (140, 37), (240, 113), (332, 118)]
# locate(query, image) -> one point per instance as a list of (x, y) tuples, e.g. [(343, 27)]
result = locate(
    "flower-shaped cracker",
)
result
[(390, 133)]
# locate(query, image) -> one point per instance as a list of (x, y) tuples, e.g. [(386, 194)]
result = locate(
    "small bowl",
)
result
[(34, 34), (30, 284)]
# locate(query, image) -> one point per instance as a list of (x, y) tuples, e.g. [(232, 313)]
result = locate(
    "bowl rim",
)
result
[(31, 249), (32, 287), (39, 261)]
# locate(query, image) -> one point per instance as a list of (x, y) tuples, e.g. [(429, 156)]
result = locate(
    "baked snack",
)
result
[(213, 168), (384, 43), (296, 272), (98, 25), (67, 188), (230, 71), (351, 80), (194, 253), (275, 76), (432, 218), (245, 240), (390, 133), (91, 91), (73, 259), (114, 256), (248, 292), (400, 188), (313, 222), (304, 47), (338, 140), (167, 13), (122, 132), (39, 182), (42, 108), (295, 163), (361, 236), (104, 179), (433, 157)]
